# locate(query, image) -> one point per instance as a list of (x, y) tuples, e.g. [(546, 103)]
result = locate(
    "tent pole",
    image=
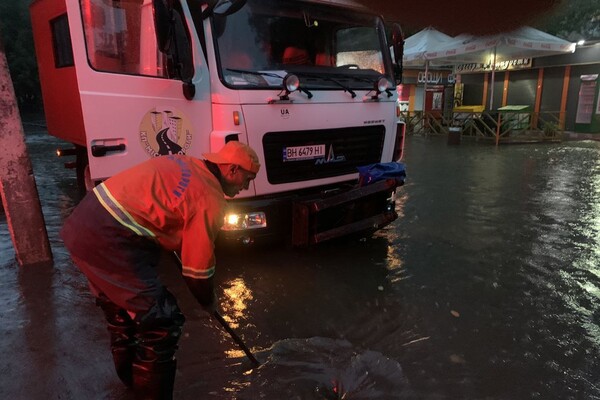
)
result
[(425, 83), (425, 95), (493, 77), (492, 96)]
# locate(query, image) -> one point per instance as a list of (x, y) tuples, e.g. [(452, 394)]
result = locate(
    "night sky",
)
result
[(479, 17)]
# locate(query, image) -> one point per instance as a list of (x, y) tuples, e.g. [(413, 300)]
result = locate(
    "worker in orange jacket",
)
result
[(115, 236)]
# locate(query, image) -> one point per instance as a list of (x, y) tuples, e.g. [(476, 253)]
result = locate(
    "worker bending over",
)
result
[(115, 236)]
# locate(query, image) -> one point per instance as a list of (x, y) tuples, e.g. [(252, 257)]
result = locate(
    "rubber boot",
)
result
[(122, 340), (122, 346), (157, 334), (154, 381)]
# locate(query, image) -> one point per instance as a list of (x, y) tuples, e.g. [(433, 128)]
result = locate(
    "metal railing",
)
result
[(498, 125)]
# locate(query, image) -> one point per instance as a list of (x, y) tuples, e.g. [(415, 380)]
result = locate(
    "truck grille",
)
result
[(345, 149)]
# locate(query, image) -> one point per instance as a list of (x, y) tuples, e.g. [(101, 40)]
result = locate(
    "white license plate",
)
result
[(303, 152)]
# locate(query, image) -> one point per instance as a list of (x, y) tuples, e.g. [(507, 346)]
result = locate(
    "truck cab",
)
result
[(308, 84)]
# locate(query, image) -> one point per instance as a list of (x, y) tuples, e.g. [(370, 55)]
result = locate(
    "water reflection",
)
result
[(508, 241), (234, 302), (39, 330)]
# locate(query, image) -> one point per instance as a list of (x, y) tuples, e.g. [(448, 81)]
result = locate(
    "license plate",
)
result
[(297, 153)]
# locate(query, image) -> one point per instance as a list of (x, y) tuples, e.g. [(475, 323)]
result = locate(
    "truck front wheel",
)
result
[(84, 179), (88, 183)]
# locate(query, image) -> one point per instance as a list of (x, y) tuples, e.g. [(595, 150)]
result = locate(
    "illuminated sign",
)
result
[(435, 77), (519, 63)]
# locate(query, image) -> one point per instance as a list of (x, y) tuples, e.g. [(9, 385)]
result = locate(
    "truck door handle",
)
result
[(100, 150)]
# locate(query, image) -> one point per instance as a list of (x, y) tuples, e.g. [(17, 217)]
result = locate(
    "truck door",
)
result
[(131, 94)]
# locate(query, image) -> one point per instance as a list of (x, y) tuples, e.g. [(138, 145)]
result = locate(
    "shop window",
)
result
[(587, 93)]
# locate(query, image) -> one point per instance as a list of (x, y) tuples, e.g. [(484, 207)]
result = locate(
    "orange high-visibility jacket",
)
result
[(174, 200)]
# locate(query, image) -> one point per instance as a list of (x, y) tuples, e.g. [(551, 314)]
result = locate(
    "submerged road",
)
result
[(486, 287)]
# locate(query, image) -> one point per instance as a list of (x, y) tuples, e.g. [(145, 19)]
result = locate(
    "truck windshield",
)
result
[(323, 45)]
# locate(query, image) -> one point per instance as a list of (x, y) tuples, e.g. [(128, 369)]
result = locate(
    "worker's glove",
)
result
[(204, 292), (212, 306)]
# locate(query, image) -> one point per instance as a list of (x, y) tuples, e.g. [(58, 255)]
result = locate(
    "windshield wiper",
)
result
[(271, 75), (306, 75), (372, 82), (259, 73), (328, 79)]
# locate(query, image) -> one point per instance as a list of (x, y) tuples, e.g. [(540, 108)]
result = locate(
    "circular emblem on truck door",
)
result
[(165, 131)]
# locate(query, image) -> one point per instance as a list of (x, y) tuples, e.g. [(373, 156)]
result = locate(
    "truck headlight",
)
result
[(244, 221), (291, 83), (382, 84)]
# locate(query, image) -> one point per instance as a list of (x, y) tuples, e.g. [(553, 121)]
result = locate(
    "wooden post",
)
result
[(538, 100), (564, 97), (485, 91), (493, 79), (505, 88), (411, 98), (17, 184)]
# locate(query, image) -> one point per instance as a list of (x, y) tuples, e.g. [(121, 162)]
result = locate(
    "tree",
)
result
[(15, 29), (573, 20)]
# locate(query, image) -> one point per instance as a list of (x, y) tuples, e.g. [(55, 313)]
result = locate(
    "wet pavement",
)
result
[(486, 287)]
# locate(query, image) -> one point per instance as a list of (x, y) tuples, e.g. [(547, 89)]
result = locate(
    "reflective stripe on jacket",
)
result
[(176, 201)]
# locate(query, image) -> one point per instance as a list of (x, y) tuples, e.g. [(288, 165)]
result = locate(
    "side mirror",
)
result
[(398, 47), (228, 7), (163, 24), (223, 7)]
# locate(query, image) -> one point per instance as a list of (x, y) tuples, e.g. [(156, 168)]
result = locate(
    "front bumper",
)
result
[(360, 209), (308, 218)]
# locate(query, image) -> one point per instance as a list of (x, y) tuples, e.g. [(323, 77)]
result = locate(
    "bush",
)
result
[(550, 129)]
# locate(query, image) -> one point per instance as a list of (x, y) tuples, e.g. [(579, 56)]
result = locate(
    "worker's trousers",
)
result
[(143, 317)]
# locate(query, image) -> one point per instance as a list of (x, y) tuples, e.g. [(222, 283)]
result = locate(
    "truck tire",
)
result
[(88, 183), (84, 180)]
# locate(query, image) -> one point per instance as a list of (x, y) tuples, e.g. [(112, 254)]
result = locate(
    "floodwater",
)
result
[(486, 287)]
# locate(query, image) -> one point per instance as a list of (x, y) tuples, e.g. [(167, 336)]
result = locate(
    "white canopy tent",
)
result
[(525, 42), (417, 46)]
